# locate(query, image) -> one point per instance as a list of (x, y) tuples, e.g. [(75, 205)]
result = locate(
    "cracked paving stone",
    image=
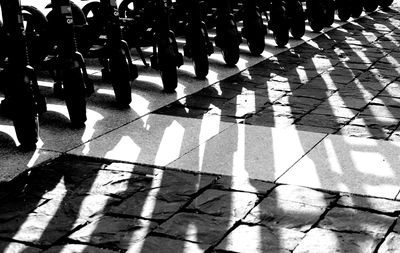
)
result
[(349, 93), (230, 204), (375, 122), (387, 72), (342, 76), (201, 102), (303, 195), (280, 86), (115, 183), (335, 111), (270, 119), (59, 177), (200, 228), (39, 229), (286, 110), (374, 78), (392, 90), (312, 93), (80, 206), (297, 100), (259, 239), (74, 248), (391, 244), (317, 240), (314, 129), (338, 101), (325, 121), (364, 132), (278, 213), (242, 105), (377, 204), (12, 247), (19, 206), (113, 232), (381, 111), (220, 91), (242, 184), (397, 227), (357, 221), (152, 244), (320, 83), (178, 109), (172, 191), (386, 101), (291, 207), (395, 136)]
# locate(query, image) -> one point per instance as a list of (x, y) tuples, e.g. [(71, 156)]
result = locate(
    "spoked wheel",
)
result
[(298, 21), (344, 12), (37, 34), (120, 74)]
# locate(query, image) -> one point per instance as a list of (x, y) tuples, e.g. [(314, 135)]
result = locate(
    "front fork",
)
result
[(68, 56)]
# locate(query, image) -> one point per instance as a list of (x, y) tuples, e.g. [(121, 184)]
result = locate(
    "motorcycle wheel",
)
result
[(75, 96), (120, 78), (298, 22)]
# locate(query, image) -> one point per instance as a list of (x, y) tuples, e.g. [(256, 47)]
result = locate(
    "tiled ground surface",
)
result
[(337, 93), (74, 204)]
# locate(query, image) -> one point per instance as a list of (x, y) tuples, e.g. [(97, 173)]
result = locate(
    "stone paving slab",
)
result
[(332, 241), (349, 164), (259, 239), (250, 151), (215, 213), (155, 139)]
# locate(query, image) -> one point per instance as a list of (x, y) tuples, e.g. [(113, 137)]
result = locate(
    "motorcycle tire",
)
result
[(298, 22), (200, 56), (75, 96), (314, 15), (37, 34), (344, 13), (370, 5), (25, 119), (356, 9), (385, 3), (329, 13), (169, 77), (120, 75), (256, 36)]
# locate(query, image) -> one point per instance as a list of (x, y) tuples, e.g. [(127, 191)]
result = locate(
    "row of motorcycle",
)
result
[(61, 40)]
